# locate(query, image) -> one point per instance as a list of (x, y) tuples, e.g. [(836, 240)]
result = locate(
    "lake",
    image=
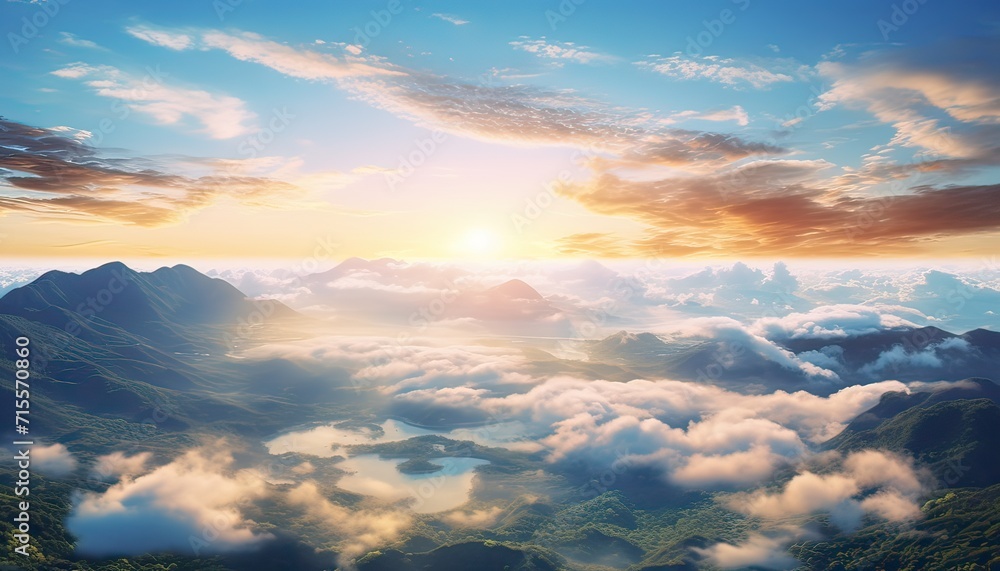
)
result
[(435, 492)]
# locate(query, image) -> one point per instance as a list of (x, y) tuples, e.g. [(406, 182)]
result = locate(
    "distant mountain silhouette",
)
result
[(511, 307), (862, 349), (354, 264), (717, 362), (906, 354), (629, 348), (948, 356), (515, 289)]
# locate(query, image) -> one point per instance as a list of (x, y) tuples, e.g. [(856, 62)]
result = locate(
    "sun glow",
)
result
[(479, 242)]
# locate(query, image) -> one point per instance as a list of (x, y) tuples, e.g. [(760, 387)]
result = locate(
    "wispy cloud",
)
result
[(55, 175), (735, 113), (560, 51), (164, 39), (898, 86), (221, 116), (728, 195), (450, 18), (247, 46), (727, 71), (72, 40)]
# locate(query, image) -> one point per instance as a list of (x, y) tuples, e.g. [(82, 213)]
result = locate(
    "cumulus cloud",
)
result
[(728, 329), (190, 504), (869, 481), (697, 434), (833, 322), (357, 530), (483, 518), (738, 468), (758, 551), (117, 464), (400, 368), (932, 356), (52, 460)]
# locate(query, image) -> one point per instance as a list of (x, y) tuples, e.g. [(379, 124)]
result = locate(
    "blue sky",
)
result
[(786, 99)]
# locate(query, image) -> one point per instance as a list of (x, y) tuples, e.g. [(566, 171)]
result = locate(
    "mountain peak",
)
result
[(165, 305), (626, 338), (517, 289)]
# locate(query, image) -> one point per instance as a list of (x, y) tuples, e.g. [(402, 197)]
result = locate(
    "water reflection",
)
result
[(443, 490)]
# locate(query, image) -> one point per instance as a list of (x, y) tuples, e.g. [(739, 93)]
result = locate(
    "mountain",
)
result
[(908, 354), (387, 266), (724, 363), (512, 307), (167, 306), (955, 431), (139, 353), (629, 348), (862, 349), (483, 556), (514, 289)]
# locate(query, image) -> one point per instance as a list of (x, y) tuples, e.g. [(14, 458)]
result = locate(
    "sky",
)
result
[(515, 130)]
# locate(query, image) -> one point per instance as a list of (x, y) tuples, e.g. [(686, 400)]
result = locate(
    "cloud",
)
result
[(869, 481), (758, 551), (221, 116), (72, 40), (52, 460), (117, 464), (735, 113), (250, 47), (514, 114), (450, 18), (696, 434), (838, 321), (164, 39), (721, 469), (189, 504), (712, 198), (902, 86), (558, 51), (731, 330), (592, 244), (358, 530), (932, 356), (479, 519), (53, 175), (727, 71), (398, 368), (778, 207)]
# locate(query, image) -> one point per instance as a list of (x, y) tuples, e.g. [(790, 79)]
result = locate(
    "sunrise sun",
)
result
[(478, 242)]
